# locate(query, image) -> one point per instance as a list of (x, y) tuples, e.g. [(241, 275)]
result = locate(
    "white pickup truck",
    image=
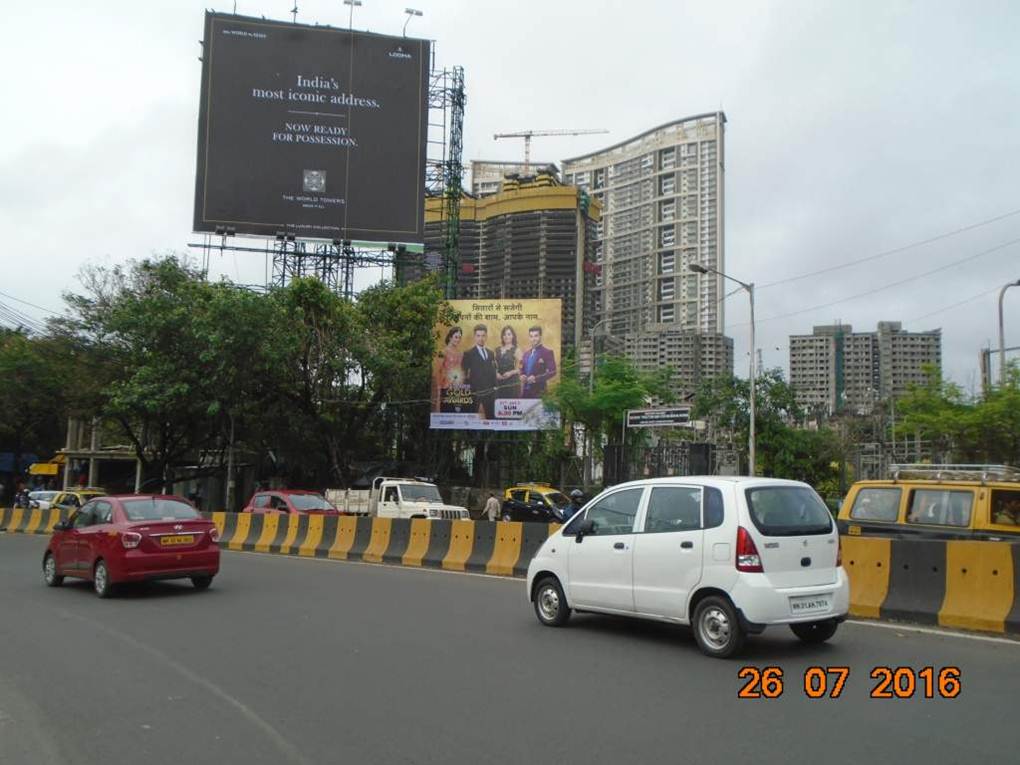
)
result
[(397, 498)]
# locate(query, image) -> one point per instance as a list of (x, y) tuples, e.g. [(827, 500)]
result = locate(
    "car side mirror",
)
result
[(587, 526)]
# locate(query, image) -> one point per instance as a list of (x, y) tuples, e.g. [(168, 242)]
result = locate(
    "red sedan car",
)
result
[(290, 501), (130, 539)]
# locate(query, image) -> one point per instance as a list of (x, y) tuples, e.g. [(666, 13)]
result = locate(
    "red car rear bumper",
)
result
[(138, 566)]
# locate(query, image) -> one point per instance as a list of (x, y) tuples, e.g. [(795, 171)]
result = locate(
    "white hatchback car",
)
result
[(729, 556)]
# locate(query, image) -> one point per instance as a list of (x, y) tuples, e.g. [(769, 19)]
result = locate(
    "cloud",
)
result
[(853, 128)]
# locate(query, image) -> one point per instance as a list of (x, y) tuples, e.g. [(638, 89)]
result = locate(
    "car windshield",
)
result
[(43, 495), (310, 502), (158, 510), (557, 500), (785, 511), (419, 492)]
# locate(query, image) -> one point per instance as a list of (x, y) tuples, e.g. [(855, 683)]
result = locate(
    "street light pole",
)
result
[(350, 19), (1002, 334), (754, 374), (749, 286), (410, 12)]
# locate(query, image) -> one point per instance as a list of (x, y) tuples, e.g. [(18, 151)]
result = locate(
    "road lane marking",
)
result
[(290, 751), (934, 631)]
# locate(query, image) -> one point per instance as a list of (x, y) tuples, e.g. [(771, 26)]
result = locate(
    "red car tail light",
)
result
[(130, 539), (748, 559), (214, 534)]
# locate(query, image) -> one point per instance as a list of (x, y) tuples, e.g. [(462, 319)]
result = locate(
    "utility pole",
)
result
[(1002, 334)]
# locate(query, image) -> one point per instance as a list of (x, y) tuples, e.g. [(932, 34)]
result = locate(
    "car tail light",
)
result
[(839, 552), (748, 559), (214, 534), (130, 539)]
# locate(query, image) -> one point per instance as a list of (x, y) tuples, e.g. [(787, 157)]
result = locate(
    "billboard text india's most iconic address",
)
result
[(311, 131), (494, 366)]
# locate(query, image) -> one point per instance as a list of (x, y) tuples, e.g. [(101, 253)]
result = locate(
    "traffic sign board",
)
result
[(665, 417)]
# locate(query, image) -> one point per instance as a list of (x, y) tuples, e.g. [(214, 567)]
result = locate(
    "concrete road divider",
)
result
[(964, 584), (21, 521)]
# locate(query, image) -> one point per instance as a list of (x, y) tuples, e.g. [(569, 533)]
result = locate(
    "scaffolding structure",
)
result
[(336, 262), (444, 172)]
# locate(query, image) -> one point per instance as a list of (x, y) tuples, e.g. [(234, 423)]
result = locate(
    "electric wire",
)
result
[(886, 253), (887, 285), (25, 302)]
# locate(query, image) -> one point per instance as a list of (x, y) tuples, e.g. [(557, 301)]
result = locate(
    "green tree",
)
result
[(336, 363), (782, 450), (617, 387), (33, 378), (962, 428), (171, 358)]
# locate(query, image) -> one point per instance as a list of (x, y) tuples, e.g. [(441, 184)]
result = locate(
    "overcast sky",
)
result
[(854, 128)]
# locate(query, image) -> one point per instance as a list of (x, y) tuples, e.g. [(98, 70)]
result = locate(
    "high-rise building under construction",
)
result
[(530, 239), (662, 201)]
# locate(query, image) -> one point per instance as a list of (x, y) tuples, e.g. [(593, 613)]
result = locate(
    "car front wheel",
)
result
[(815, 632), (716, 628), (550, 605), (50, 575)]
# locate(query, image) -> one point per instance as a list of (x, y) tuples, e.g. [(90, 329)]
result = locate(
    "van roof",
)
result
[(709, 480), (948, 483)]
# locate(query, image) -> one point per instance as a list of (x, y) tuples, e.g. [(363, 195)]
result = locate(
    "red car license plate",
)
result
[(178, 539)]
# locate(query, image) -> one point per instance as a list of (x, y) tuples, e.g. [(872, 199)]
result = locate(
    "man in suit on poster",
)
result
[(480, 373), (538, 365)]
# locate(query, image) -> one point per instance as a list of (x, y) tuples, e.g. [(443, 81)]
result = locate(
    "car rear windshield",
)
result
[(310, 502), (787, 511), (158, 510)]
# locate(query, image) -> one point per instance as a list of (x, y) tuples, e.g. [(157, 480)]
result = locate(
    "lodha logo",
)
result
[(399, 53)]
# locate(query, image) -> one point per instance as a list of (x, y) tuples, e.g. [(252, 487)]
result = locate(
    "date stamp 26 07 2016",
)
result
[(828, 682)]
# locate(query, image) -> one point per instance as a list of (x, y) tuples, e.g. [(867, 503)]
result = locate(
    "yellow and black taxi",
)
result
[(535, 502), (72, 499), (936, 501)]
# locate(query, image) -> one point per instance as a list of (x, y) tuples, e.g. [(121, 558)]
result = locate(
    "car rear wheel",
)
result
[(101, 580), (201, 582), (550, 605), (50, 575), (815, 632), (716, 628)]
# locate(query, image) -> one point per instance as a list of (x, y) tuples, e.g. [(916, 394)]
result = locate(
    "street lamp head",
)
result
[(697, 268), (352, 3), (411, 12)]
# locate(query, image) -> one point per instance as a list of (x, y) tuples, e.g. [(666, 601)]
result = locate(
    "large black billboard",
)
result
[(316, 131)]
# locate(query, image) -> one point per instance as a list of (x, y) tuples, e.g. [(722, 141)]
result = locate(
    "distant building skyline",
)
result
[(836, 369)]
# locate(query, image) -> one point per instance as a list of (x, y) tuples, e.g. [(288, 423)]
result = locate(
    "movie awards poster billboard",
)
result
[(493, 367), (312, 131)]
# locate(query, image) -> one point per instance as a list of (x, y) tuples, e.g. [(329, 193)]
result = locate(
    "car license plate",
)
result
[(180, 539), (809, 604)]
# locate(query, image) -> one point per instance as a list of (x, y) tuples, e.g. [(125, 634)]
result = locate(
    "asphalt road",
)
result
[(295, 661)]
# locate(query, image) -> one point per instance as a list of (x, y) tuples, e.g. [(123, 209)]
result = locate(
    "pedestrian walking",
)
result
[(491, 507)]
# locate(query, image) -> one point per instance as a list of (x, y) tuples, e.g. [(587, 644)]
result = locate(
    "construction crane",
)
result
[(527, 135)]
